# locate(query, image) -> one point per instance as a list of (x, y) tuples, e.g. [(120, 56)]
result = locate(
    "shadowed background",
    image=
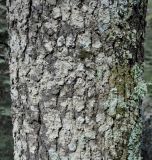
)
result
[(6, 140), (147, 103)]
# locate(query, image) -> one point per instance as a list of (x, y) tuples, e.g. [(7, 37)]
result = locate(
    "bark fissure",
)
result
[(82, 66)]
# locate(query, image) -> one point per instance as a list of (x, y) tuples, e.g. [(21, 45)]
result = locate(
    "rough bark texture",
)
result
[(76, 76)]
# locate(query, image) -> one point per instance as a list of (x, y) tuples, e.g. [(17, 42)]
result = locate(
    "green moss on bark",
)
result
[(122, 79)]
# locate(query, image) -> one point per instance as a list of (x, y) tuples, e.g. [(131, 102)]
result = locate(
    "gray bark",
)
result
[(76, 78)]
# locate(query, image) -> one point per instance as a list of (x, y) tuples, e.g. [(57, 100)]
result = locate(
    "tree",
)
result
[(76, 78)]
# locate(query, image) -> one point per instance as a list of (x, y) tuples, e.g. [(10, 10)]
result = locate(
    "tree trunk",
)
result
[(76, 78)]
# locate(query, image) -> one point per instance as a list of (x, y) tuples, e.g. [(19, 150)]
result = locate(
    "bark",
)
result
[(76, 78)]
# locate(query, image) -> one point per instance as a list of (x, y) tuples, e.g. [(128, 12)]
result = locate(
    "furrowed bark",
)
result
[(76, 75)]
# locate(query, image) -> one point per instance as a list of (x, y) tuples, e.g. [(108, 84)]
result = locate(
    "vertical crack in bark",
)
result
[(97, 112), (28, 29), (39, 131)]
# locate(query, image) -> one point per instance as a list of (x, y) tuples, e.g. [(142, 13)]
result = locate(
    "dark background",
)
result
[(6, 140)]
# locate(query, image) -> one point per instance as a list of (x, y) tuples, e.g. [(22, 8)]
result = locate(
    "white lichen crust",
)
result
[(76, 78)]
